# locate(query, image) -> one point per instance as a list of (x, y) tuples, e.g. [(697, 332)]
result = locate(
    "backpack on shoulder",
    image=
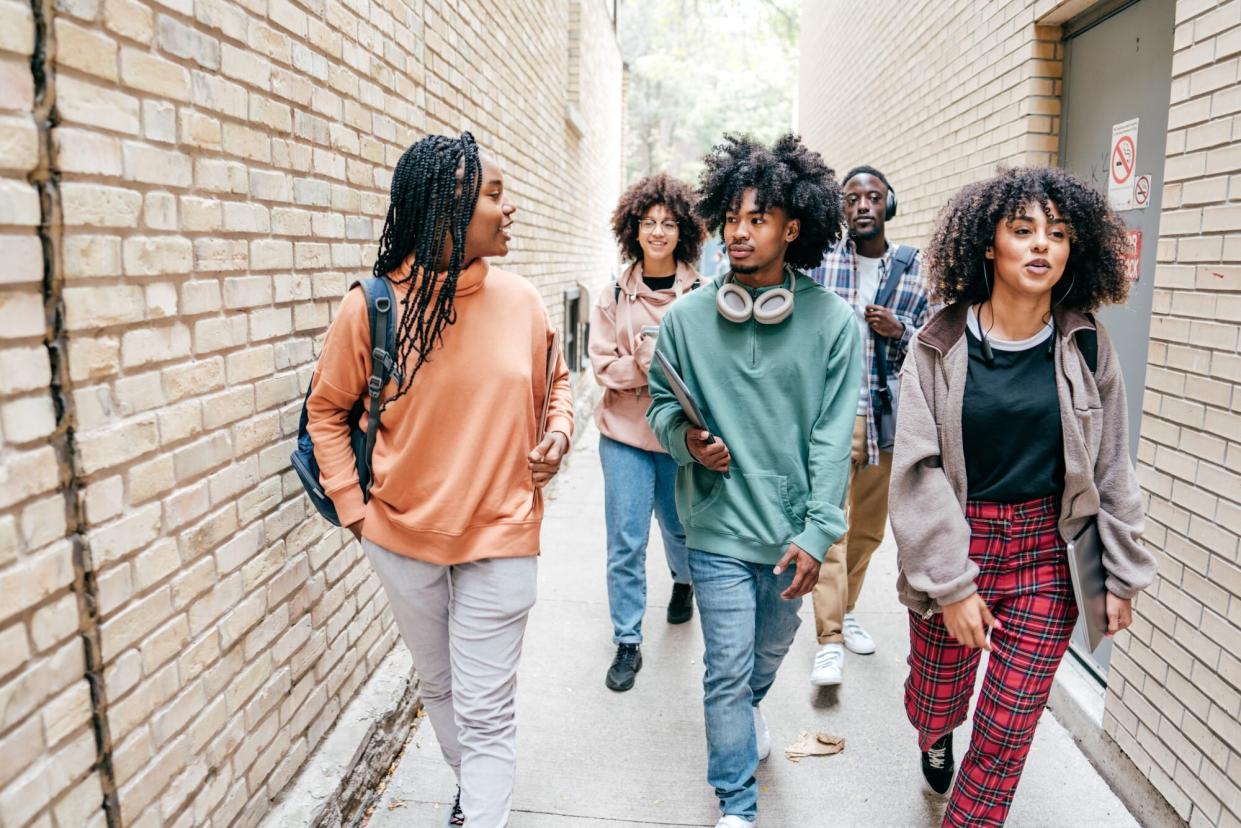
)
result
[(380, 304)]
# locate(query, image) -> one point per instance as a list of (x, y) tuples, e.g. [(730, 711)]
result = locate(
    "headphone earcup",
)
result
[(774, 306), (733, 303), (889, 206)]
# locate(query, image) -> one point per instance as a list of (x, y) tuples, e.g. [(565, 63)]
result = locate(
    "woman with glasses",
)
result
[(657, 231)]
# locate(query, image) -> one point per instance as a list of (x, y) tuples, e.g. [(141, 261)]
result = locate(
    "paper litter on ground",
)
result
[(814, 744)]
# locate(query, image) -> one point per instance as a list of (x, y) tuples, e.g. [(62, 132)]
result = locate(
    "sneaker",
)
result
[(938, 766), (681, 607), (456, 816), (857, 639), (624, 667), (762, 736), (829, 666), (734, 821)]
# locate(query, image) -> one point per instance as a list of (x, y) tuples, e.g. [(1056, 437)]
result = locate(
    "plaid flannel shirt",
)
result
[(911, 304)]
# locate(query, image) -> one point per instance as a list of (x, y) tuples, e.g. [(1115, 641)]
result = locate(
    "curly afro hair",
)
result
[(790, 176), (677, 198), (967, 225)]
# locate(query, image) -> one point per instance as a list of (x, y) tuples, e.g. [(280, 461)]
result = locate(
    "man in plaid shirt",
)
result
[(857, 269)]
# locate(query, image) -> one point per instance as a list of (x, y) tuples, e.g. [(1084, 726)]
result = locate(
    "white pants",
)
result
[(464, 626)]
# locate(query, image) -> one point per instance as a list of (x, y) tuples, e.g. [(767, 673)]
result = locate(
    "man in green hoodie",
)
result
[(772, 360)]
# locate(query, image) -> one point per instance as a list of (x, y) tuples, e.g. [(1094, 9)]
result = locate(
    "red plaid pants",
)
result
[(1024, 578)]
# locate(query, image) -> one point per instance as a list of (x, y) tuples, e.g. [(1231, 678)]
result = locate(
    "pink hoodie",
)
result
[(620, 354)]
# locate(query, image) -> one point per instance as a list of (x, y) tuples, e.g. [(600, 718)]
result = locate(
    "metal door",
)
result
[(1118, 66)]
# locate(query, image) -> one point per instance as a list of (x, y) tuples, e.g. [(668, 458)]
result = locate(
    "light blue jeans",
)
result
[(635, 482), (747, 629)]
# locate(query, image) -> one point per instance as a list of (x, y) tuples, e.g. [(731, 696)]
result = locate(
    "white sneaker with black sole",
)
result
[(829, 665), (857, 639)]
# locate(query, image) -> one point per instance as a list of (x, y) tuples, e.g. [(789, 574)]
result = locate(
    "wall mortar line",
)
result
[(45, 178)]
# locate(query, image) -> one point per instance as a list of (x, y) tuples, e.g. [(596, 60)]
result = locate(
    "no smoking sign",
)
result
[(1122, 160), (1124, 154)]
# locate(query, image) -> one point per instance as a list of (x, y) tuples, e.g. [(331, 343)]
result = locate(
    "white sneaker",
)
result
[(857, 639), (829, 666), (734, 821), (761, 735)]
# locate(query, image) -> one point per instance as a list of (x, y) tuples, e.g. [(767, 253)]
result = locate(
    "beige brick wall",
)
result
[(47, 741), (223, 176), (1174, 695), (949, 90), (952, 90)]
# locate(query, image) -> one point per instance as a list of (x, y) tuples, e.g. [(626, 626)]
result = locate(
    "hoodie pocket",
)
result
[(752, 506)]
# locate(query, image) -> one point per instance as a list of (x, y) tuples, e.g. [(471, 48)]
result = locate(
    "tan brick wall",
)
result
[(950, 91), (47, 741), (223, 176), (1174, 694)]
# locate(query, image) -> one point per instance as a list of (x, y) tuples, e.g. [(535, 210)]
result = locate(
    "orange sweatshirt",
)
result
[(451, 480)]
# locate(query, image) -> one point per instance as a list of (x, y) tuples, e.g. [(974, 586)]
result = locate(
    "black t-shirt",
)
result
[(660, 282), (1010, 421)]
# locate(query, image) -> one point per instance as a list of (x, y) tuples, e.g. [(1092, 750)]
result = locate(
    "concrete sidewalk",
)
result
[(590, 757)]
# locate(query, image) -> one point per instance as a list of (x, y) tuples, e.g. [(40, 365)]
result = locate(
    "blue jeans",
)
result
[(635, 482), (747, 629)]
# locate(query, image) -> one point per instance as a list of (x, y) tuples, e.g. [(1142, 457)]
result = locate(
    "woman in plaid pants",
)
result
[(1012, 437)]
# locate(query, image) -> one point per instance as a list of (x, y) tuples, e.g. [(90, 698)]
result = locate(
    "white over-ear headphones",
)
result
[(770, 308)]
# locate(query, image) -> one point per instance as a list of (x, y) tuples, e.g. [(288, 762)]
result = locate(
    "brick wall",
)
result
[(953, 90), (47, 738), (1174, 694), (218, 174)]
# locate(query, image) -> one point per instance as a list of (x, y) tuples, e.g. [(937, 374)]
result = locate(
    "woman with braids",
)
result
[(773, 360), (658, 232), (1012, 439), (452, 522)]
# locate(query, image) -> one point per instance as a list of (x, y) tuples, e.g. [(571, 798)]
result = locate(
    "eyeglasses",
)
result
[(648, 226)]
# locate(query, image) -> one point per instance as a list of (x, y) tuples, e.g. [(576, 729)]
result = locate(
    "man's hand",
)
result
[(546, 457), (1119, 614), (356, 529), (883, 322), (967, 621), (713, 455), (807, 571)]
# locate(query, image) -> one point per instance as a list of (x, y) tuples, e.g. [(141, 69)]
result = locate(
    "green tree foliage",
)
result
[(700, 68)]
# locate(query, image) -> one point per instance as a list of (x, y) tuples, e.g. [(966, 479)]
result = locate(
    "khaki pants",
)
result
[(844, 565)]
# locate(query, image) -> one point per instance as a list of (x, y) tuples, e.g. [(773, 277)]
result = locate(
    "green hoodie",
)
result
[(783, 398)]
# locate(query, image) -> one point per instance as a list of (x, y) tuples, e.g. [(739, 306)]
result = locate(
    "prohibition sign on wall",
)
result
[(1122, 159), (1124, 154)]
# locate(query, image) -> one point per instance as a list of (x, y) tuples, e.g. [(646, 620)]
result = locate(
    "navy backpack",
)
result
[(379, 310)]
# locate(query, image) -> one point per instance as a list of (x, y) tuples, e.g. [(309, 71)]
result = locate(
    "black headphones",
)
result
[(889, 204)]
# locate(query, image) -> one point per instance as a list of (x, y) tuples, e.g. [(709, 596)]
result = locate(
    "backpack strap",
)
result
[(902, 260), (1087, 340), (381, 313)]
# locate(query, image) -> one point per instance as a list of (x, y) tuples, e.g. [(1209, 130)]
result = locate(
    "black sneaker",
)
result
[(624, 667), (938, 766), (681, 607), (457, 816)]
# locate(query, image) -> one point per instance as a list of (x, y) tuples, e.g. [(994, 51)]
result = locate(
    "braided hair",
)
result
[(431, 204)]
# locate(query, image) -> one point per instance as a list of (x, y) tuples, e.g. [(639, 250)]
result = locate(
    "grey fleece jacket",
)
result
[(928, 488)]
